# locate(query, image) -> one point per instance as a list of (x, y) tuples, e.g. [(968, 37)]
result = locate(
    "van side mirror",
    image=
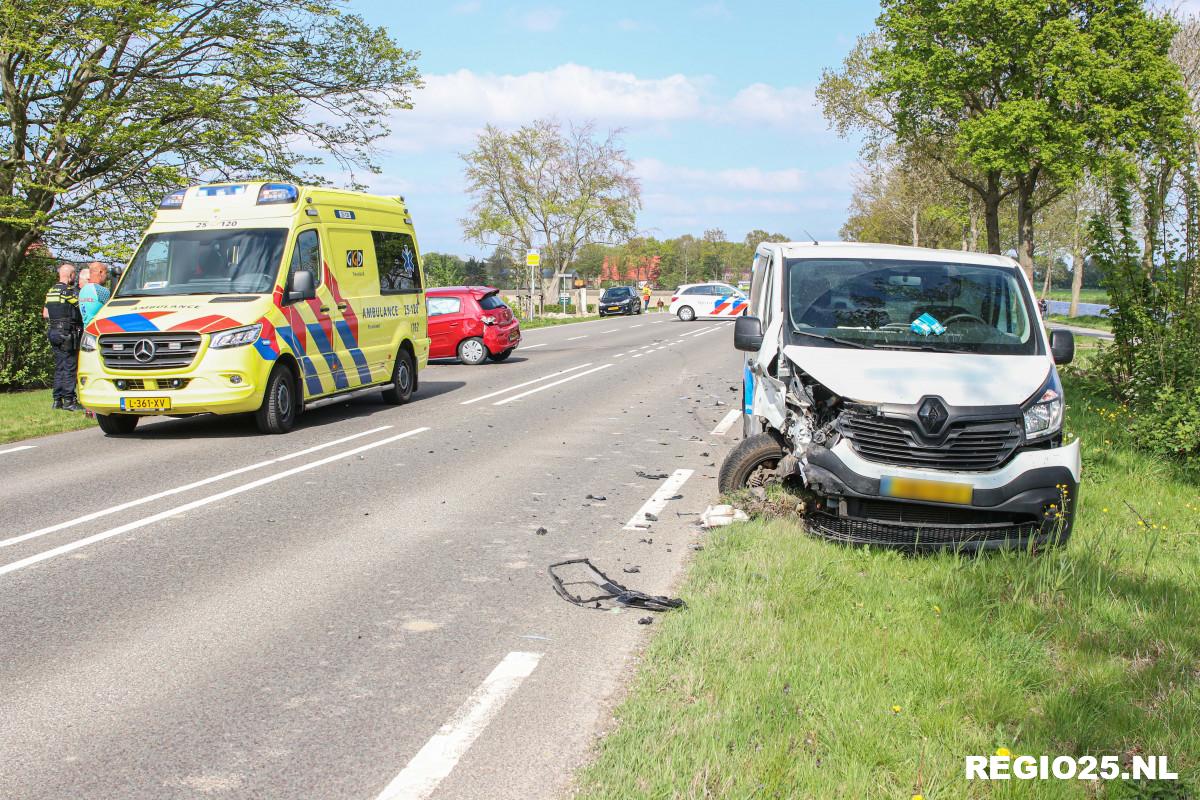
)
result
[(748, 334), (1062, 346), (302, 287)]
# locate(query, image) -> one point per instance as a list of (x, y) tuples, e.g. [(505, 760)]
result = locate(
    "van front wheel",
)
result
[(751, 463), (281, 404), (402, 379), (117, 424)]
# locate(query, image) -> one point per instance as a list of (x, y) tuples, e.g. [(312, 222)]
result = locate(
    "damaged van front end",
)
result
[(899, 434)]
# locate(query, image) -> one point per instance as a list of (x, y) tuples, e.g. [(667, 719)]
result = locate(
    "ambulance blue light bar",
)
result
[(272, 193), (174, 199), (224, 190)]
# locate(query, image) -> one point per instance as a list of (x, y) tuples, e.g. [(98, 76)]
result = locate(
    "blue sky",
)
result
[(715, 99)]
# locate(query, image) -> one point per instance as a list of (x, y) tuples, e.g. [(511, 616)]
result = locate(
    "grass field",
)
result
[(803, 669), (1085, 295), (27, 414), (1085, 321)]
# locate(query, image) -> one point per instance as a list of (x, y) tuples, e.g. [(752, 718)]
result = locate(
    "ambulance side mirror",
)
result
[(302, 287), (748, 334), (1062, 346)]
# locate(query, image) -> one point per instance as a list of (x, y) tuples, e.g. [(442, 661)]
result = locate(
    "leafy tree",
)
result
[(548, 189), (756, 237), (109, 105), (1012, 96), (590, 261), (442, 269)]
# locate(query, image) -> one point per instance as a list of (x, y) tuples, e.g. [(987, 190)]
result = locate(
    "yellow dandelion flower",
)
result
[(918, 797), (1003, 751), (937, 609), (1106, 511), (896, 709)]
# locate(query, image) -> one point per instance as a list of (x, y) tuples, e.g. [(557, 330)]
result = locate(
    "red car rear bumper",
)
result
[(497, 338)]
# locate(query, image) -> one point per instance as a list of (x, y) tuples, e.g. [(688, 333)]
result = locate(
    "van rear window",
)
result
[(396, 256)]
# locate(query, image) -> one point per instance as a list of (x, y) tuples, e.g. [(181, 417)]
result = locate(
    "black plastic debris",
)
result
[(632, 570), (580, 572), (652, 476), (596, 497), (646, 621), (650, 517), (541, 531)]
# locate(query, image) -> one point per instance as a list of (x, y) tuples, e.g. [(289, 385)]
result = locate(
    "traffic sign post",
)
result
[(533, 260)]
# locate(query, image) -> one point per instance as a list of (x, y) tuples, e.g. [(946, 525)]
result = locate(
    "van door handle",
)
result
[(343, 306)]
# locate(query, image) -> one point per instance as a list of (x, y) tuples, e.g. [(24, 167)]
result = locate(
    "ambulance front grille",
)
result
[(151, 350)]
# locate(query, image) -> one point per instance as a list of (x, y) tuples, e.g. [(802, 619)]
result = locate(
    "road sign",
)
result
[(533, 258)]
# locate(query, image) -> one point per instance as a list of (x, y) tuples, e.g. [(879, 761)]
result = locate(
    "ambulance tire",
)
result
[(503, 354), (403, 374), (746, 464), (472, 351), (117, 424), (281, 402), (686, 313)]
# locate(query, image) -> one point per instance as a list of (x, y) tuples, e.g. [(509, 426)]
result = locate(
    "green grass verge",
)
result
[(546, 322), (1085, 295), (24, 415), (807, 669), (1086, 321)]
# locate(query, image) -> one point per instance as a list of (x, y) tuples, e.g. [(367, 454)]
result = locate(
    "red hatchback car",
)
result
[(470, 323)]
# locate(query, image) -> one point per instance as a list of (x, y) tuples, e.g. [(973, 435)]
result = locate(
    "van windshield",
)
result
[(909, 305), (205, 262)]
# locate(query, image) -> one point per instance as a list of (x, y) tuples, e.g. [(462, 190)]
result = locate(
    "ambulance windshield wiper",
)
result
[(927, 348), (834, 339)]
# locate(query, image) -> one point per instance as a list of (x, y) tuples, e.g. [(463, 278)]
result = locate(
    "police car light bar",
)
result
[(271, 193), (174, 199)]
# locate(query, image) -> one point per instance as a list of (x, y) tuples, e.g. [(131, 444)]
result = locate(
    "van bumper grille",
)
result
[(124, 351), (974, 446)]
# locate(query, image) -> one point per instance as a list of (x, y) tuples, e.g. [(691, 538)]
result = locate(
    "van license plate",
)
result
[(931, 491), (145, 404)]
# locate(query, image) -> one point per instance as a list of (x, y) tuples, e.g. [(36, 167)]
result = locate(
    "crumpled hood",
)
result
[(197, 314), (900, 376)]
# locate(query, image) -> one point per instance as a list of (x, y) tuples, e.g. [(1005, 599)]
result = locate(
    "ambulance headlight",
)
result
[(272, 193), (87, 342), (1044, 411), (236, 337), (174, 199)]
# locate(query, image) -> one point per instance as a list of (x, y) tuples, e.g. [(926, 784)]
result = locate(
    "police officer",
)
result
[(64, 328)]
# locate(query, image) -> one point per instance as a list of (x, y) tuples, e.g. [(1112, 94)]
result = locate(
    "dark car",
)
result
[(472, 323), (620, 300)]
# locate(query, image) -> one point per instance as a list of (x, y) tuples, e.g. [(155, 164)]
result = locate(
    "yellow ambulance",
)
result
[(258, 297)]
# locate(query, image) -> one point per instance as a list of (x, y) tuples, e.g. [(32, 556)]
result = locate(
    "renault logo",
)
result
[(933, 415), (143, 350)]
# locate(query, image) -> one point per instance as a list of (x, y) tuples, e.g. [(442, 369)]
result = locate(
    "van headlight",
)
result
[(1044, 411), (236, 337), (87, 342)]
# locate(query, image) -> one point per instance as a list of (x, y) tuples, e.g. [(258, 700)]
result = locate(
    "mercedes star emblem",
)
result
[(143, 350)]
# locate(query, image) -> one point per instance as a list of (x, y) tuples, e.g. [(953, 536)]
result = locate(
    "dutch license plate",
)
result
[(614, 308), (931, 491), (145, 404)]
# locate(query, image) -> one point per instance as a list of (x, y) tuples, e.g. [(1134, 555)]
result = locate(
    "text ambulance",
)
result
[(259, 297)]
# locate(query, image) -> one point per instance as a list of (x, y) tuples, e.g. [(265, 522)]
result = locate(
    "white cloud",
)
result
[(791, 106), (541, 20), (743, 179)]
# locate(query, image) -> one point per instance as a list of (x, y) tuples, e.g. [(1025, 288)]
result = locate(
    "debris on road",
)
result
[(719, 516), (586, 574), (541, 531), (650, 517), (596, 497), (651, 476), (632, 570), (646, 621)]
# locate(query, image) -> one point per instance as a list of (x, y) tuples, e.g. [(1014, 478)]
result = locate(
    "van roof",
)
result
[(240, 199), (892, 251)]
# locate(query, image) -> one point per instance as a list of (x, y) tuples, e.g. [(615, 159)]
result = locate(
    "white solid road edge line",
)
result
[(551, 385), (581, 336), (726, 422), (658, 501), (104, 512), (526, 383), (531, 346), (17, 448), (203, 501), (441, 753)]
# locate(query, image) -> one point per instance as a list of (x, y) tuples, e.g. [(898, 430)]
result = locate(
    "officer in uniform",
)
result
[(64, 329)]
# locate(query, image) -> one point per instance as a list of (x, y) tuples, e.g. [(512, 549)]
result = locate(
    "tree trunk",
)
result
[(1076, 279), (1026, 184), (916, 236), (974, 234), (991, 213)]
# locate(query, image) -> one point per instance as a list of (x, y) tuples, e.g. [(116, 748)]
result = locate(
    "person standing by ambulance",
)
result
[(95, 294), (64, 326), (646, 297)]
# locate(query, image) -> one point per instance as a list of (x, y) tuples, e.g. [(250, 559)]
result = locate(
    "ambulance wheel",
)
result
[(281, 403), (402, 380), (471, 351), (751, 463), (503, 354), (117, 424), (686, 313)]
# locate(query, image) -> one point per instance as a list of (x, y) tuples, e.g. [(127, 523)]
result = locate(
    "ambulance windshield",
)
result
[(205, 262)]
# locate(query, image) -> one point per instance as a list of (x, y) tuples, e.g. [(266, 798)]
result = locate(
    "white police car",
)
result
[(711, 300)]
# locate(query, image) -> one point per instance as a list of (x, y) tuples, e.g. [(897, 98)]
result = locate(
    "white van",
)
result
[(912, 392)]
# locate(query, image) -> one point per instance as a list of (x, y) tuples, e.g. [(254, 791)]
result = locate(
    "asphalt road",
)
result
[(361, 606)]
